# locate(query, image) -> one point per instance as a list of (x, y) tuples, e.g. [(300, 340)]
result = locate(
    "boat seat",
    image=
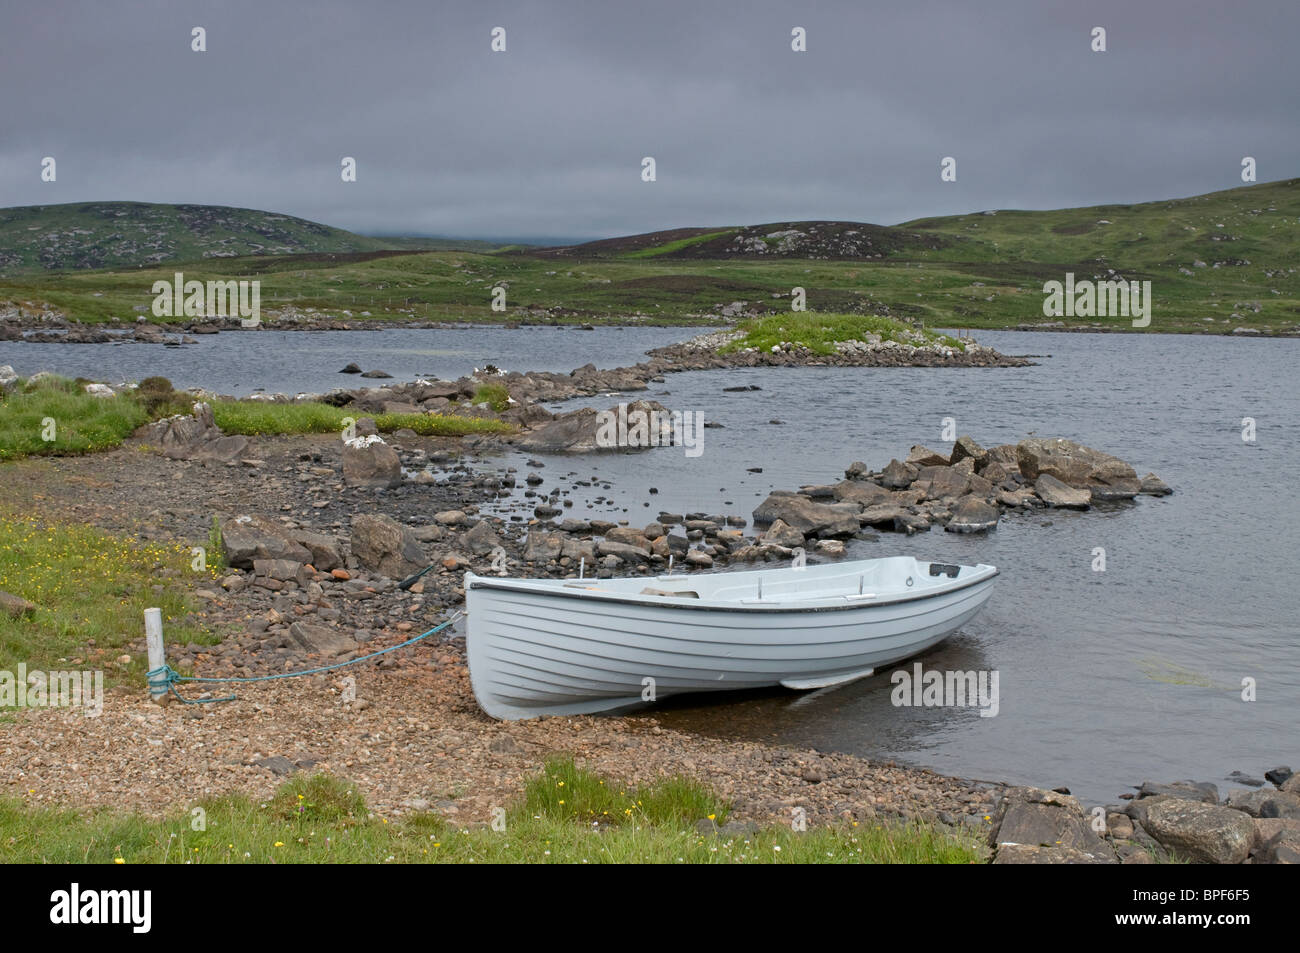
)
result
[(686, 593)]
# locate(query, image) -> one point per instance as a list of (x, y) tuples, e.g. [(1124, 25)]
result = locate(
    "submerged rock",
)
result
[(973, 515)]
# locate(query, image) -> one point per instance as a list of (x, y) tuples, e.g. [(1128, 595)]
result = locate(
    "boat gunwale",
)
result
[(473, 581)]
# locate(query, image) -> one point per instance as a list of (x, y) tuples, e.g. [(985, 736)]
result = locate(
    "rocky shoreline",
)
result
[(312, 580), (317, 531)]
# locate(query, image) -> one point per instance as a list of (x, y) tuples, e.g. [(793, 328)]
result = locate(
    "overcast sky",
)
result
[(546, 139)]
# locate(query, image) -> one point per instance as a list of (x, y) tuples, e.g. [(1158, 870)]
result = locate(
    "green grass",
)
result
[(61, 409), (819, 332), (256, 417), (89, 585), (494, 395), (668, 248), (321, 819), (80, 423), (984, 271)]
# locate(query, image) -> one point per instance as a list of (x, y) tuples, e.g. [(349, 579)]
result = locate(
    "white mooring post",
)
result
[(157, 654)]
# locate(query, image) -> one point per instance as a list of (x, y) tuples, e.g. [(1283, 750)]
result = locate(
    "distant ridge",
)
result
[(85, 235)]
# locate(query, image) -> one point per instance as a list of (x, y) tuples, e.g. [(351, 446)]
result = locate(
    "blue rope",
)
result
[(165, 677)]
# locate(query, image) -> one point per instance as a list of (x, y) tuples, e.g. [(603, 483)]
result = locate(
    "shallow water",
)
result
[(291, 362), (1106, 678)]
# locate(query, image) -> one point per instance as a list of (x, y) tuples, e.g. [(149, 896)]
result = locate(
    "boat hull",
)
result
[(534, 652)]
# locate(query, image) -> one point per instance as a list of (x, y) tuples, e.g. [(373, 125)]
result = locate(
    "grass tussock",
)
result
[(54, 415), (257, 417), (820, 331), (322, 819)]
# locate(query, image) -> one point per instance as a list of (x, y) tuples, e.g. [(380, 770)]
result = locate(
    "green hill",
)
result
[(89, 235), (823, 240), (1219, 263)]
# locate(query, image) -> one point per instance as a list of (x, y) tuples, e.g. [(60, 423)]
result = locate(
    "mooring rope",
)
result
[(165, 677)]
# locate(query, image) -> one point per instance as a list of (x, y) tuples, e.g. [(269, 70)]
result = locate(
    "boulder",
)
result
[(325, 552), (542, 547), (624, 551), (862, 492), (811, 519), (580, 549), (1024, 496), (320, 639), (1205, 833), (882, 514), (942, 482), (1279, 775), (1122, 488), (1282, 848), (910, 523), (282, 569), (368, 461), (1072, 463), (581, 431), (1055, 493), (781, 533), (1152, 485), (248, 538), (383, 545), (925, 457), (1265, 803), (967, 449), (1036, 818), (1187, 790), (629, 535), (1005, 455), (898, 475), (973, 515), (480, 539), (195, 436)]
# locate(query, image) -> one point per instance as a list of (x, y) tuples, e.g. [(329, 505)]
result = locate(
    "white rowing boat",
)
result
[(569, 647)]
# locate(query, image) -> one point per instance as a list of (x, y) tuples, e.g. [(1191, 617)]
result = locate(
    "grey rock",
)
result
[(278, 765), (320, 639), (898, 475), (248, 538), (1055, 493), (480, 539), (368, 461), (1188, 790), (781, 533), (383, 545), (1152, 485), (967, 448), (1202, 832), (973, 515), (811, 519), (1072, 463)]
